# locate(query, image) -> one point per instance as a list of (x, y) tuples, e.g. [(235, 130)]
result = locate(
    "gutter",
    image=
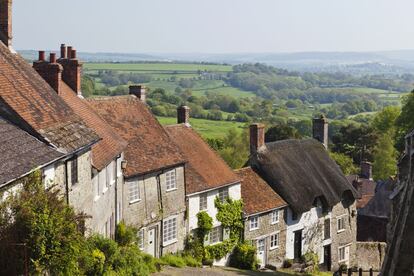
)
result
[(215, 188), (263, 212)]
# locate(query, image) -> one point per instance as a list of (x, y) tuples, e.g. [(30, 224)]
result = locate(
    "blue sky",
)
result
[(214, 26)]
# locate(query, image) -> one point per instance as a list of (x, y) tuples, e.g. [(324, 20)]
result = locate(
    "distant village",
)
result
[(111, 160)]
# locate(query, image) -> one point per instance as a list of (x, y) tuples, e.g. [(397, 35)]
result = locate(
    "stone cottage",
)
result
[(32, 104), (64, 76), (154, 189), (321, 216), (400, 242), (264, 222), (207, 176)]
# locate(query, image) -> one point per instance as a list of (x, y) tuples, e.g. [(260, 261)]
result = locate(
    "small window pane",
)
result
[(170, 230), (341, 223), (223, 194), (275, 216), (216, 235), (327, 227), (203, 202), (171, 180), (254, 223), (134, 191), (274, 240)]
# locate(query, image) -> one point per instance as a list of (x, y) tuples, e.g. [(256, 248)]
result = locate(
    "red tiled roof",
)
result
[(149, 146), (205, 169), (257, 195), (28, 101), (365, 188), (111, 144)]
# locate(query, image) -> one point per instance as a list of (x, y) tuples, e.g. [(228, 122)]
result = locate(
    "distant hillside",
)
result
[(357, 63)]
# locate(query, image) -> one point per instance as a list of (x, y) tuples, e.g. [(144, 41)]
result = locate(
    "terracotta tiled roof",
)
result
[(365, 188), (20, 153), (28, 101), (149, 146), (111, 144), (205, 169), (257, 195)]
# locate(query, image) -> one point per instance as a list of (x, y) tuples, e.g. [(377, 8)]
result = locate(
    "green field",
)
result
[(207, 128), (157, 67)]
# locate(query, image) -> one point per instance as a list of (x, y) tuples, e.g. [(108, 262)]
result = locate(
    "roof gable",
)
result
[(149, 146), (302, 171), (205, 169)]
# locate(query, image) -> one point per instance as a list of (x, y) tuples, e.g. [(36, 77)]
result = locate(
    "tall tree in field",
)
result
[(405, 121), (385, 158)]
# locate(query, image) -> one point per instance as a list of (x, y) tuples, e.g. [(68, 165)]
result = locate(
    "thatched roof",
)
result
[(301, 171)]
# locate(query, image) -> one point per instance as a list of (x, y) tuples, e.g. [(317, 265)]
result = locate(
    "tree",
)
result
[(235, 149), (281, 132), (385, 120), (385, 158), (405, 122), (344, 162)]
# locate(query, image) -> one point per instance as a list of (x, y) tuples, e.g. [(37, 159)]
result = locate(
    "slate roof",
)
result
[(205, 170), (111, 144), (365, 188), (29, 102), (380, 203), (302, 171), (257, 195), (20, 153), (149, 147)]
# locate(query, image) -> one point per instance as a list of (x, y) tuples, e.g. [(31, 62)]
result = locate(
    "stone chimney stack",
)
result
[(51, 71), (366, 170), (6, 34), (320, 130), (138, 91), (257, 137), (183, 115), (72, 68)]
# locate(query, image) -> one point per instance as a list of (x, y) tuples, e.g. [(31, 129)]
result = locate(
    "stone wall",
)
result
[(370, 255), (274, 257)]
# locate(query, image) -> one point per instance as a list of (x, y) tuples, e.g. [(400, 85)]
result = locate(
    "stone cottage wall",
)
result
[(370, 255)]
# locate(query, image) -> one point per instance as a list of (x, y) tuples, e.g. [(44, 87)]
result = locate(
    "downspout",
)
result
[(116, 193), (67, 182), (162, 210)]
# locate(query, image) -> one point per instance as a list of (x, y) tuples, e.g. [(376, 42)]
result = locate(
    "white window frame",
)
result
[(217, 230), (48, 176), (346, 258), (341, 218), (119, 167), (223, 194), (96, 188), (254, 223), (171, 180), (274, 246), (135, 194), (141, 238), (169, 236), (273, 215), (203, 206), (103, 177)]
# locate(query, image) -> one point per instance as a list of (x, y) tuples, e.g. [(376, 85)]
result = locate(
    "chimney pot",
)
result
[(6, 33), (69, 51), (73, 54), (257, 137), (138, 91), (183, 115), (366, 170), (63, 51), (320, 130), (52, 57), (41, 55)]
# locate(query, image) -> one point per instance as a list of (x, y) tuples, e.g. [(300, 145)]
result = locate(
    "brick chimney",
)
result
[(50, 71), (320, 130), (257, 137), (138, 91), (72, 68), (183, 115), (6, 22), (366, 170)]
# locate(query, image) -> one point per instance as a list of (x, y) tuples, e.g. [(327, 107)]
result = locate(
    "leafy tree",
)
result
[(405, 122), (344, 162), (385, 120), (235, 149), (385, 158), (281, 132)]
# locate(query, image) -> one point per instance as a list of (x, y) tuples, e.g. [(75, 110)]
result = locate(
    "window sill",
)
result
[(252, 229), (340, 231), (273, 248), (134, 201), (275, 222), (171, 190), (164, 244)]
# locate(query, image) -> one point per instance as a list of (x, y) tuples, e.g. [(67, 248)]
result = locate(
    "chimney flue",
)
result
[(63, 51), (320, 130), (366, 170), (183, 115), (52, 57), (138, 91), (41, 55), (69, 51), (73, 54), (257, 137), (6, 33)]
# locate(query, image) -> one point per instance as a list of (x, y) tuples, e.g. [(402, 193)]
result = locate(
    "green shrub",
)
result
[(191, 261), (218, 251), (173, 260), (311, 259), (244, 257), (125, 235), (208, 262), (204, 224)]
